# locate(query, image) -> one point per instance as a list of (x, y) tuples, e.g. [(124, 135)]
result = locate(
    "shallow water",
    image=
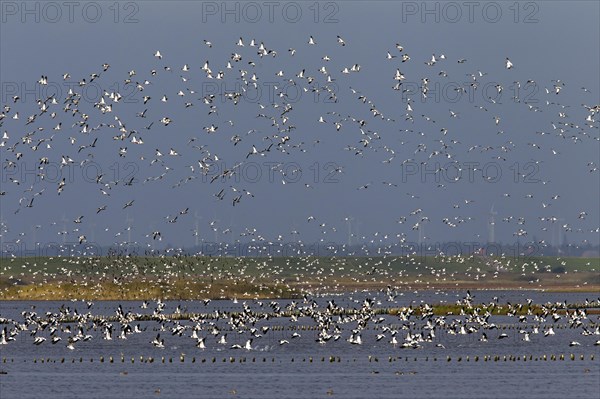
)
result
[(283, 379), (11, 309), (304, 368)]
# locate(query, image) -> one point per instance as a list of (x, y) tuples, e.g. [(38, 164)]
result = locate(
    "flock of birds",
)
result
[(60, 134), (251, 326), (72, 132)]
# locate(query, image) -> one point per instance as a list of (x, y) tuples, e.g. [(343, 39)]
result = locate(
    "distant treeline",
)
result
[(294, 249)]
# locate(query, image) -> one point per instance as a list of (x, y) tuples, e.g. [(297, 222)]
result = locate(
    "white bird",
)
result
[(157, 342), (549, 332)]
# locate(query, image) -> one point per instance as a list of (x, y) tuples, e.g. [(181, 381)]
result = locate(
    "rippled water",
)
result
[(463, 368)]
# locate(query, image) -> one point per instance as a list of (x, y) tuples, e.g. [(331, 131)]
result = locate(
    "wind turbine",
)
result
[(93, 232), (216, 228), (492, 226), (33, 234), (349, 221), (152, 241), (421, 230), (357, 231), (129, 221), (3, 231), (64, 221), (197, 230), (559, 234)]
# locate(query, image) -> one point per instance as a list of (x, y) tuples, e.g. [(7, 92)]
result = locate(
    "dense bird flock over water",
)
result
[(250, 326), (59, 134)]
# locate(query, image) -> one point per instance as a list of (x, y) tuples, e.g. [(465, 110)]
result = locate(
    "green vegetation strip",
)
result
[(200, 277)]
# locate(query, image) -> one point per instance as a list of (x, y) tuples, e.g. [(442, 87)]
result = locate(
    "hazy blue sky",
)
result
[(546, 41)]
